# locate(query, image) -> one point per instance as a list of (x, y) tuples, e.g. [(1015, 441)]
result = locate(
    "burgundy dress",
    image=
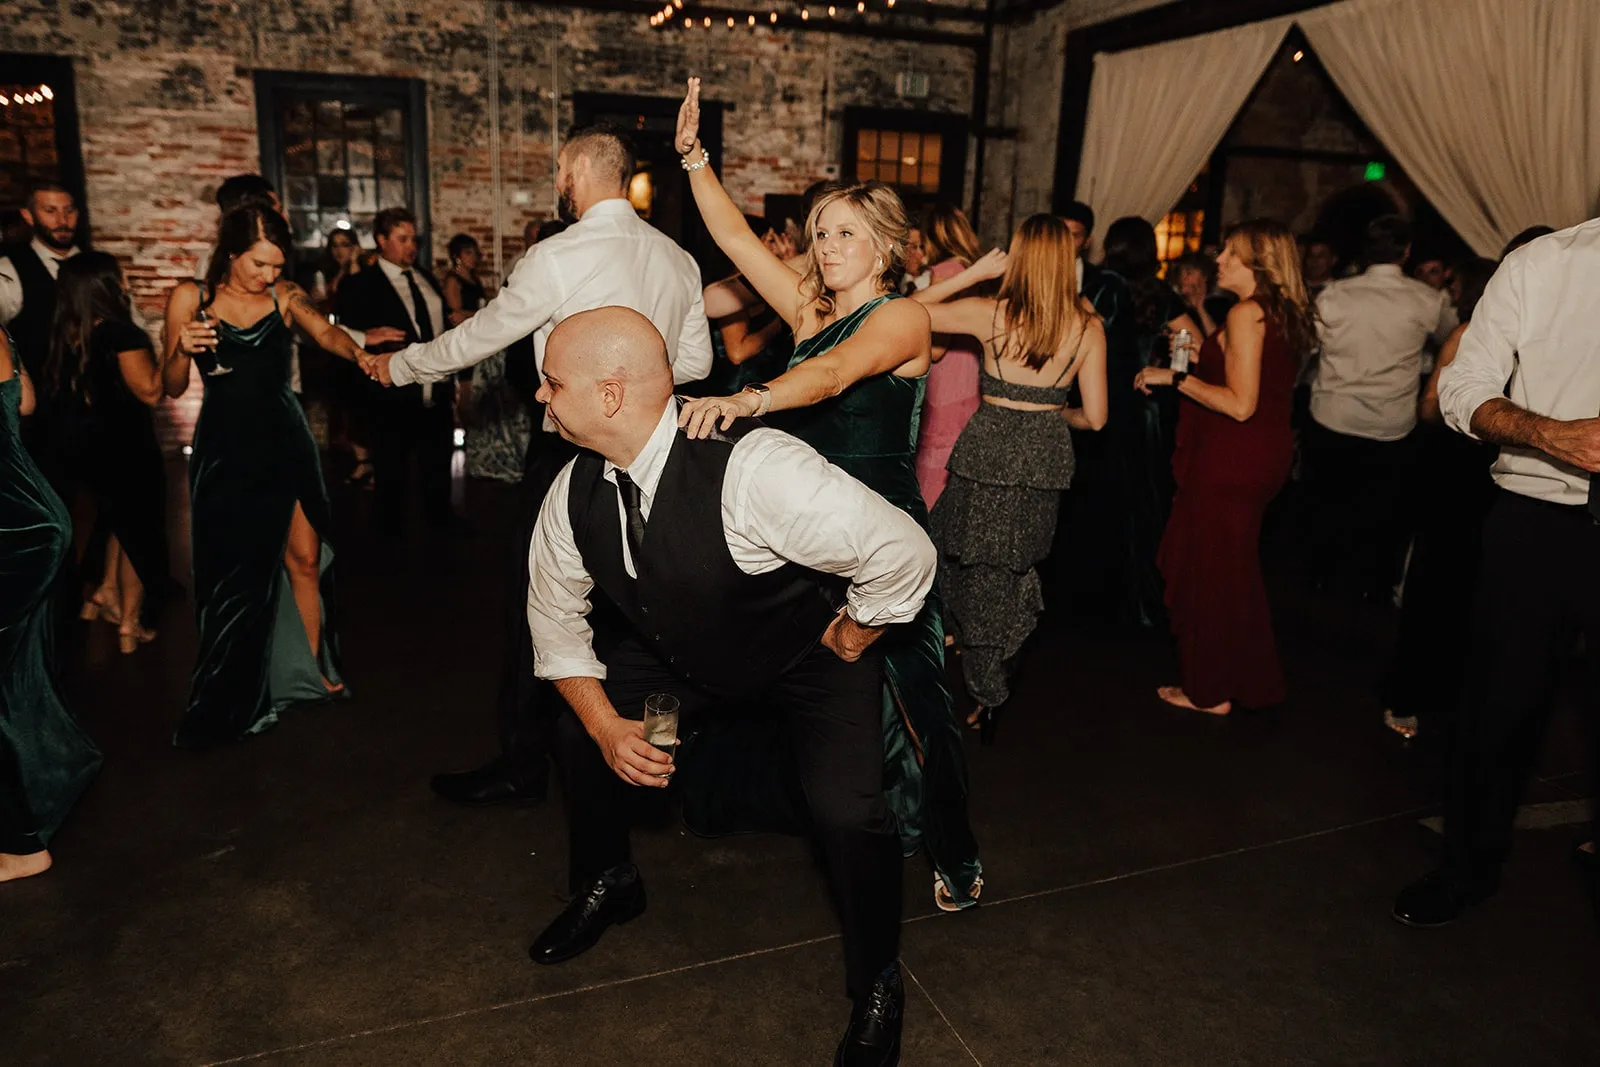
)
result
[(1227, 472)]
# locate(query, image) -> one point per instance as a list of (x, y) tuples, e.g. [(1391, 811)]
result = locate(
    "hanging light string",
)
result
[(672, 14)]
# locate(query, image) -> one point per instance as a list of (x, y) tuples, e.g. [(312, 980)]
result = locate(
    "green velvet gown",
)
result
[(254, 459), (46, 760), (870, 430)]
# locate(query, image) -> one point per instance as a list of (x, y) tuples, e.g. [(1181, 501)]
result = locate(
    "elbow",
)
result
[(1243, 412), (1095, 420), (149, 395)]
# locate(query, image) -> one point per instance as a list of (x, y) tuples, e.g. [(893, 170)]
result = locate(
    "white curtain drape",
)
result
[(1491, 106), (1157, 113)]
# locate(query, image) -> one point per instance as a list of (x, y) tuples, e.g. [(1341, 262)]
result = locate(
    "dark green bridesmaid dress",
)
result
[(254, 459), (46, 760), (870, 430)]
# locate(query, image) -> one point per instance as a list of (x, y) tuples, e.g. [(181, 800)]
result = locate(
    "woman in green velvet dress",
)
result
[(854, 391), (259, 509), (46, 760)]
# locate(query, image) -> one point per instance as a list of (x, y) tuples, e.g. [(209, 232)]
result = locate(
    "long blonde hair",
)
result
[(949, 235), (1270, 251), (884, 217), (1040, 292)]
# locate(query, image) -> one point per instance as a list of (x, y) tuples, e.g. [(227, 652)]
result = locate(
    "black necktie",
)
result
[(632, 500), (420, 309)]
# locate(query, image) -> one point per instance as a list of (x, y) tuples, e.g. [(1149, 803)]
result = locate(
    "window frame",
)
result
[(57, 72), (953, 130), (276, 87)]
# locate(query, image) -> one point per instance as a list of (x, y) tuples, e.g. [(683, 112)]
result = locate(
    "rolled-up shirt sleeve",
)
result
[(1487, 357), (782, 502), (558, 593), (693, 360), (527, 302)]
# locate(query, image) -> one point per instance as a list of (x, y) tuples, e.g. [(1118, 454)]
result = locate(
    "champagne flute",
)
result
[(661, 722)]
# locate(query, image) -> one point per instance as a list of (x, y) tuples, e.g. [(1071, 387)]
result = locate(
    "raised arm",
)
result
[(973, 317), (895, 339), (304, 314), (992, 265), (778, 285), (182, 337), (9, 365)]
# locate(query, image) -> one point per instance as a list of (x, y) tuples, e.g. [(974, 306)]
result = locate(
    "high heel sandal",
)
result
[(946, 902), (130, 640), (95, 608)]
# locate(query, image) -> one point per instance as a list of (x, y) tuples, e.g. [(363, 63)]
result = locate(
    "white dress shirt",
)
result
[(11, 281), (1375, 327), (1538, 328), (781, 503), (609, 258), (430, 300)]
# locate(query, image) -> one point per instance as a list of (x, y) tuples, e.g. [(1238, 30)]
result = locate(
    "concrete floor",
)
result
[(1163, 888)]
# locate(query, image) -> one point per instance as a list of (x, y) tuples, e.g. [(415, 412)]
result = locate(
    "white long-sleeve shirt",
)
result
[(609, 258), (1375, 327), (781, 503), (1538, 328), (11, 280)]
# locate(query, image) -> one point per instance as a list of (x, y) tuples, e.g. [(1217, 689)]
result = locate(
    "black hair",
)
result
[(242, 189), (384, 222), (459, 244), (1388, 237), (1532, 233), (1129, 246), (1079, 212), (549, 228), (88, 290), (1473, 276)]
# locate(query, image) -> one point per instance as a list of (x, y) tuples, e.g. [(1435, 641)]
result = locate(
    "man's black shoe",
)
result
[(873, 1038), (490, 784), (615, 897), (1439, 899)]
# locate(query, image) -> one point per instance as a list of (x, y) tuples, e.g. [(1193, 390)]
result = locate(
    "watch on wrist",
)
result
[(1178, 378), (763, 393)]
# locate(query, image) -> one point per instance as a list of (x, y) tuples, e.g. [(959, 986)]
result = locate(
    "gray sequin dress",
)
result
[(995, 523)]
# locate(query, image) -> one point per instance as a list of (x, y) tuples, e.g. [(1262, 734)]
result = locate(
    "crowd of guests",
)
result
[(979, 415)]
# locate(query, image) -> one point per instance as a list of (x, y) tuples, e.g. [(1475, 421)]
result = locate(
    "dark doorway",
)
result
[(39, 129), (660, 190)]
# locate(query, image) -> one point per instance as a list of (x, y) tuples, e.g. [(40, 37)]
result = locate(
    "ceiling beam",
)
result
[(911, 20)]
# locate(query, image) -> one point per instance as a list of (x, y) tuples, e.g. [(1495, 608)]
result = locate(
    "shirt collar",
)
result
[(617, 205), (646, 468), (1392, 270), (44, 251), (393, 271)]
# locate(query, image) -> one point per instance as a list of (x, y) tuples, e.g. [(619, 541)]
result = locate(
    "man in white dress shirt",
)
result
[(1537, 329), (608, 257), (737, 574), (1375, 328)]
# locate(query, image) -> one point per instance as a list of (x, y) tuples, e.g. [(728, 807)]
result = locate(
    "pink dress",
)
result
[(951, 399)]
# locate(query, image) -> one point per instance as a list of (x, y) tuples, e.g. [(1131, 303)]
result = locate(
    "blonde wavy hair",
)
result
[(1270, 251), (884, 217), (949, 235), (1040, 292)]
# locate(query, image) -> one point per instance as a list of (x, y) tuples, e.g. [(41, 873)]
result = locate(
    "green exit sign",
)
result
[(1376, 171)]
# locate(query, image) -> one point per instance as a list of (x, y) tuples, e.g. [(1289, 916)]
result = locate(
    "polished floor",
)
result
[(1163, 888)]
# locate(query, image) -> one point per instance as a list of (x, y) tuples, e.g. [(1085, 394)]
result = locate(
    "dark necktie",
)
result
[(632, 500), (420, 308)]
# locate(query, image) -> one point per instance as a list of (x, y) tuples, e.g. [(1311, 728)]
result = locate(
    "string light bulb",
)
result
[(832, 11), (708, 22), (48, 95), (773, 18), (730, 22), (751, 21), (805, 14), (861, 7), (688, 23)]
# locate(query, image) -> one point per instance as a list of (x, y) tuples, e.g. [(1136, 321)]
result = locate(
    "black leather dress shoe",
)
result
[(873, 1037), (615, 897), (1439, 899), (491, 784)]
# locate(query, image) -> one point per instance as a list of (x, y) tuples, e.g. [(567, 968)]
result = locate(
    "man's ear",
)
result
[(611, 395), (27, 216)]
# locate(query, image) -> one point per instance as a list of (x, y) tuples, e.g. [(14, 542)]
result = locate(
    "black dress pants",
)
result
[(833, 712), (525, 703), (1538, 588), (1363, 516), (405, 427)]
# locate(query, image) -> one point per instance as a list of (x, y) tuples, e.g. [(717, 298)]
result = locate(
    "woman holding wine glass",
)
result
[(260, 514), (852, 391)]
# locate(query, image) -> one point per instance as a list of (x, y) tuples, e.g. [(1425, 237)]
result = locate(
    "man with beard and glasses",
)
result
[(607, 257), (28, 271)]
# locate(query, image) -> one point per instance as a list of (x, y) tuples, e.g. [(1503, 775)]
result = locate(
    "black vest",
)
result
[(718, 628), (31, 328)]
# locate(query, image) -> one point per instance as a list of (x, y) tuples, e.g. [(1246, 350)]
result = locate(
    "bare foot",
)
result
[(331, 688), (1174, 695), (14, 867), (105, 604)]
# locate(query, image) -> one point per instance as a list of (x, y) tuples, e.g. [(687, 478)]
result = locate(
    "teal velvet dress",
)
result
[(870, 430), (254, 459), (46, 760)]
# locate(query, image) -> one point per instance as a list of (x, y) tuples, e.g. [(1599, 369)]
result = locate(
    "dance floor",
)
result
[(1163, 888)]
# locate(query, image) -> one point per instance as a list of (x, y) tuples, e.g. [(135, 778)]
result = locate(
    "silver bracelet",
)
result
[(705, 161)]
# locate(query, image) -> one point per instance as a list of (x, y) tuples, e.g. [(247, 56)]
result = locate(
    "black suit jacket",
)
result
[(367, 301)]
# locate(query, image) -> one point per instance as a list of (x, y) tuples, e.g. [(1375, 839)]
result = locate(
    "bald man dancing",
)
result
[(752, 572)]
